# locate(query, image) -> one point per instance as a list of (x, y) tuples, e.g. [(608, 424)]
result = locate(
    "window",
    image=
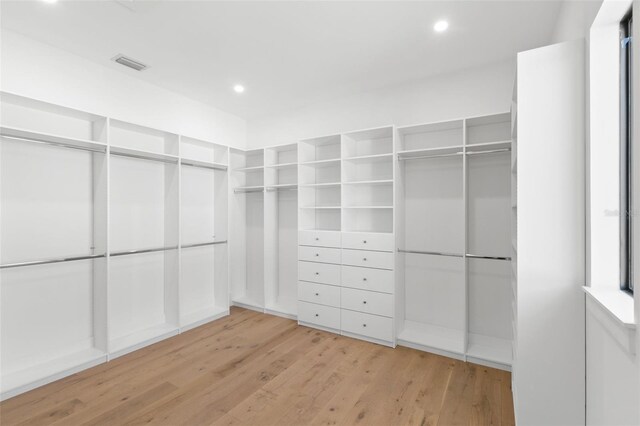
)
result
[(626, 139)]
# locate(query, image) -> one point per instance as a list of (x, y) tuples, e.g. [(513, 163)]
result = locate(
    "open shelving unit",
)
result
[(281, 230), (319, 180), (53, 237), (204, 286), (247, 231), (453, 205)]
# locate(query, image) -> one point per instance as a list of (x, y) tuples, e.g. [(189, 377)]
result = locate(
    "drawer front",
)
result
[(319, 254), (373, 326), (368, 259), (325, 316), (367, 241), (324, 273), (319, 293), (368, 279), (367, 301), (319, 238)]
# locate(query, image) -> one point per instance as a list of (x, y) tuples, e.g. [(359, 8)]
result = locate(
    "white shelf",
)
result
[(20, 381), (373, 157), (282, 185), (282, 166), (202, 316), (248, 169), (328, 162), (321, 207), (139, 339), (203, 164), (433, 336), (143, 155), (431, 151), (492, 349), (488, 146), (47, 138), (242, 188)]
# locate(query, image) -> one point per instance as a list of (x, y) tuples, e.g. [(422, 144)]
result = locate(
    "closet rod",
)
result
[(125, 253), (203, 244), (57, 144), (435, 253), (291, 188), (145, 157), (475, 256), (248, 190), (203, 165), (47, 261), (453, 154), (489, 151)]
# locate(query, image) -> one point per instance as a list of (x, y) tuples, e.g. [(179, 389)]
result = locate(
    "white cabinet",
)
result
[(367, 241), (321, 315), (319, 254), (319, 238), (368, 279), (371, 326), (367, 301), (322, 294), (368, 259)]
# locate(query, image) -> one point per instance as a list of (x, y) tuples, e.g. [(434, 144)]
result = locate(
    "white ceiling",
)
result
[(287, 54)]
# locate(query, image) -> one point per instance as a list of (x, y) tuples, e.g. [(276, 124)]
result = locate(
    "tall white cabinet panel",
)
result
[(550, 362), (53, 230)]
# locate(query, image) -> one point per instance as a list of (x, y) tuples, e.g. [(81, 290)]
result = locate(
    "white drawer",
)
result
[(319, 293), (319, 238), (368, 259), (325, 316), (368, 279), (367, 301), (325, 273), (373, 326), (319, 254), (367, 241)]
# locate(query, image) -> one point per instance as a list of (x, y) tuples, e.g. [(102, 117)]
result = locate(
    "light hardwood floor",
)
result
[(256, 369)]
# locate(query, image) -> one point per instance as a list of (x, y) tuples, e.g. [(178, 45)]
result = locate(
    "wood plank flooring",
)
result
[(256, 369)]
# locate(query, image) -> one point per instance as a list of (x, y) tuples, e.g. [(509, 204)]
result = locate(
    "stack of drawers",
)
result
[(346, 283)]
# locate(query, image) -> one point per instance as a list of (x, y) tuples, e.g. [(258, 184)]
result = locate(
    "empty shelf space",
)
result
[(141, 338), (143, 155), (369, 182), (249, 169), (36, 375), (320, 163), (282, 166), (426, 152), (373, 157), (432, 336), (489, 348), (47, 138)]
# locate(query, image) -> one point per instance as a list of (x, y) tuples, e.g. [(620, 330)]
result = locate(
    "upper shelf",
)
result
[(143, 155), (50, 139)]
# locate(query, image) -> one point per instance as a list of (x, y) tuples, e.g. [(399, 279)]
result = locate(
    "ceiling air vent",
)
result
[(131, 63)]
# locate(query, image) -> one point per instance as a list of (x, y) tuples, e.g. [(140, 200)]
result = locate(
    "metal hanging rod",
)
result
[(242, 190), (491, 151), (203, 165), (453, 154), (128, 252), (435, 253), (100, 149), (475, 256), (284, 188), (145, 157), (212, 243), (47, 261)]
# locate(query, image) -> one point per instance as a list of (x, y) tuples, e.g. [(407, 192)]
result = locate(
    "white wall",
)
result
[(466, 93), (40, 71), (575, 19)]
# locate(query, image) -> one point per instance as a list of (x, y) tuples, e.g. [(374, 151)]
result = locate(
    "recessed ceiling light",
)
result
[(238, 88), (441, 26)]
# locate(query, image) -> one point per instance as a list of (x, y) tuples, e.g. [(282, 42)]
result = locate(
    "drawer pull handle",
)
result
[(364, 241), (364, 301), (317, 273), (317, 294), (364, 258), (317, 315), (364, 325), (317, 254), (364, 279), (317, 239)]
